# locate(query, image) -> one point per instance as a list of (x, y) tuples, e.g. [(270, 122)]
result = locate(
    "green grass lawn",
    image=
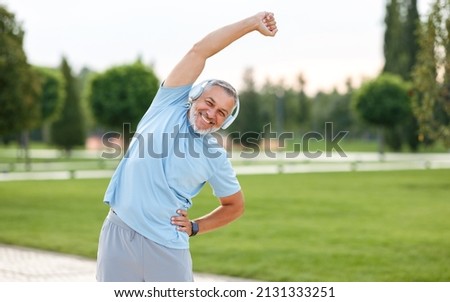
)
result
[(353, 226)]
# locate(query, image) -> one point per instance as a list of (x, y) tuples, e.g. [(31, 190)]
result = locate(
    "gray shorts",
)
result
[(126, 256)]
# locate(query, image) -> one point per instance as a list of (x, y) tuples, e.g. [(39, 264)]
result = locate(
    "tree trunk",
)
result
[(24, 144), (381, 132)]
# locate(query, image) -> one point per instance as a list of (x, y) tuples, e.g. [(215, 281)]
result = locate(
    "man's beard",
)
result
[(193, 115)]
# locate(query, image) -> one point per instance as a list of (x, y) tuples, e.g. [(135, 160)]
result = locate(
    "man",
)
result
[(145, 236)]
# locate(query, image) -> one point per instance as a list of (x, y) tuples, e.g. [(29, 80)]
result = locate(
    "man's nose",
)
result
[(211, 113)]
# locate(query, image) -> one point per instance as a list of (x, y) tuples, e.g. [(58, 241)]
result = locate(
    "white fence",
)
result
[(90, 164)]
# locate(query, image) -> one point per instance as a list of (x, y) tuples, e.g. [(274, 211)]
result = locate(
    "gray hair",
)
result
[(225, 86)]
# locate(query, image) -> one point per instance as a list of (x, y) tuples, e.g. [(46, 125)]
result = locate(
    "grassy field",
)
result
[(354, 226)]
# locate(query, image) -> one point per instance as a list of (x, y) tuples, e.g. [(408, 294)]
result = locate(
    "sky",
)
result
[(327, 41)]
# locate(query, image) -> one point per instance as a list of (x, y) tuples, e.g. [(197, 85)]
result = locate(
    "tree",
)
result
[(248, 127), (393, 50), (431, 77), (340, 114), (410, 38), (304, 103), (400, 37), (383, 102), (68, 131), (400, 50), (51, 98), (84, 78), (121, 95), (19, 87)]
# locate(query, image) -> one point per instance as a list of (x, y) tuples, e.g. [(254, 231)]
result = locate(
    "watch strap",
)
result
[(194, 227)]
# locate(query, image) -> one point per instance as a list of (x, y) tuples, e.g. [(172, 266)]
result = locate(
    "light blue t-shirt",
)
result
[(166, 165)]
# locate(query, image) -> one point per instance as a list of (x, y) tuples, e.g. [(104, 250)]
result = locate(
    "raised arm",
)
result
[(191, 65)]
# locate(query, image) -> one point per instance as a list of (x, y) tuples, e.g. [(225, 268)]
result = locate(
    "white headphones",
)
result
[(197, 91)]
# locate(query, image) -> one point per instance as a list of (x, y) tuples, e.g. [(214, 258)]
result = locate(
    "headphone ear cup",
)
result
[(195, 92), (228, 122), (230, 119)]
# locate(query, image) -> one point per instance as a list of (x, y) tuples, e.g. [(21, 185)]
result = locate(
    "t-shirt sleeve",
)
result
[(167, 96), (224, 181)]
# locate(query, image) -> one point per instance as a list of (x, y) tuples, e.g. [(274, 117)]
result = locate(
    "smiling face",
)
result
[(210, 110)]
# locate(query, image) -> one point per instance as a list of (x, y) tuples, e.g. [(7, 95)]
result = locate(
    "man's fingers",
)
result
[(182, 213), (182, 221), (270, 23)]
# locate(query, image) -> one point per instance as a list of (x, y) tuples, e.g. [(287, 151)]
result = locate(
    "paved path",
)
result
[(25, 264)]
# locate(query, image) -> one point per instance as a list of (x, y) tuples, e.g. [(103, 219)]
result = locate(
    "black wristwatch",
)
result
[(194, 226)]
